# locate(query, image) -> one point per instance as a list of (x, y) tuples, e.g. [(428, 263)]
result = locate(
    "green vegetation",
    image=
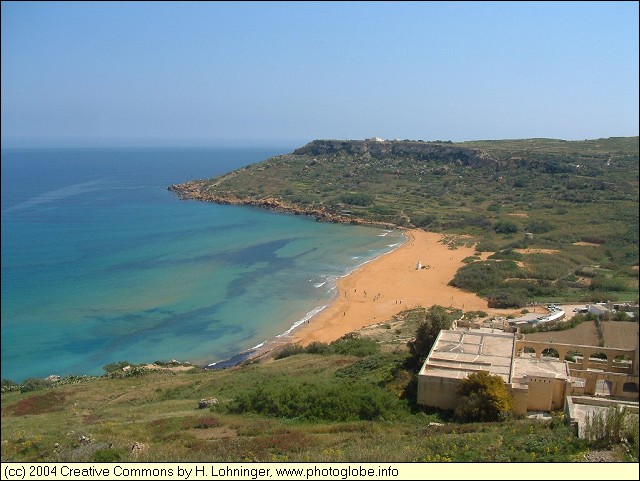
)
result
[(436, 318), (341, 400), (483, 398), (615, 426), (349, 344), (577, 201), (505, 227), (511, 441), (115, 366), (349, 401), (561, 325), (303, 408)]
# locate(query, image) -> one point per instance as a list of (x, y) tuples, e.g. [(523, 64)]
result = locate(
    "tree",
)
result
[(483, 397), (436, 319)]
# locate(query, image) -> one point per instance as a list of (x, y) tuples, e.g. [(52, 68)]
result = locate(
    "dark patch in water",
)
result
[(232, 361)]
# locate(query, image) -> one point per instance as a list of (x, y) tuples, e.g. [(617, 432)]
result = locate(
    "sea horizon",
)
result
[(101, 263)]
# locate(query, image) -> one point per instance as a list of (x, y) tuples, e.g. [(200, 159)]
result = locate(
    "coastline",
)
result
[(269, 345), (385, 286)]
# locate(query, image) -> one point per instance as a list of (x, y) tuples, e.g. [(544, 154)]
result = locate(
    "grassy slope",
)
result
[(579, 199), (159, 411)]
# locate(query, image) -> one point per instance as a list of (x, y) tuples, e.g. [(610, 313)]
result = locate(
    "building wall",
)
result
[(560, 387), (540, 394), (439, 392), (520, 396)]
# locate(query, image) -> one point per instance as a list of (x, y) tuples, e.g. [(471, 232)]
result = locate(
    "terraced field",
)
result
[(623, 335), (584, 334)]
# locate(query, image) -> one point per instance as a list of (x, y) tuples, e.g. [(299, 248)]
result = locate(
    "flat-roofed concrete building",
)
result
[(535, 384), (539, 384), (537, 381)]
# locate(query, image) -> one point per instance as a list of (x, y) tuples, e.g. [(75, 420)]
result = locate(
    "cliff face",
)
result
[(416, 150)]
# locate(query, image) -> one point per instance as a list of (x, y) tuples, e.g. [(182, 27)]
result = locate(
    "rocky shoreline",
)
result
[(193, 190)]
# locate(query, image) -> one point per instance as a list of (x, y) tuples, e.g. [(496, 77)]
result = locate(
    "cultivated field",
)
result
[(585, 334), (623, 335)]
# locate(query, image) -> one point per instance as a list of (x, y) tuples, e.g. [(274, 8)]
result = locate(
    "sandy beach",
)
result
[(390, 284)]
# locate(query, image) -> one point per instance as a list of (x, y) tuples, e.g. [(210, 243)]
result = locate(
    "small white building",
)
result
[(599, 309)]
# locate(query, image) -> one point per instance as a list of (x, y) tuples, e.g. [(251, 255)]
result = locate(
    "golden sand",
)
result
[(392, 283)]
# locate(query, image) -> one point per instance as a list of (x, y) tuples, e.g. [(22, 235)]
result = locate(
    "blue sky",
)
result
[(163, 73)]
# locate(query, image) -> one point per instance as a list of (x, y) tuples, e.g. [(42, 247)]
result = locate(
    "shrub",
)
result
[(289, 350), (486, 246), (622, 316), (483, 276), (107, 455), (424, 220), (34, 384), (506, 299), (9, 385), (338, 400), (506, 254), (539, 226), (353, 345), (505, 227), (317, 347), (608, 284), (610, 427), (115, 366), (472, 314), (380, 369), (483, 397), (544, 266)]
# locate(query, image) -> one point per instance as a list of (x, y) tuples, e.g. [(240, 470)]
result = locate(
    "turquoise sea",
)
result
[(100, 263)]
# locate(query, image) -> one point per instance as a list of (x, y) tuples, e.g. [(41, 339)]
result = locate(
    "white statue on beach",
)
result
[(419, 266)]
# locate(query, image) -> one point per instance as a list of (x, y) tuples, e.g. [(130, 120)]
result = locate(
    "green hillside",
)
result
[(350, 401), (577, 203)]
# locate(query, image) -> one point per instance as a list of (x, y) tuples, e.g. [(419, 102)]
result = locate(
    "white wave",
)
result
[(257, 346), (307, 316), (391, 249), (319, 284)]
